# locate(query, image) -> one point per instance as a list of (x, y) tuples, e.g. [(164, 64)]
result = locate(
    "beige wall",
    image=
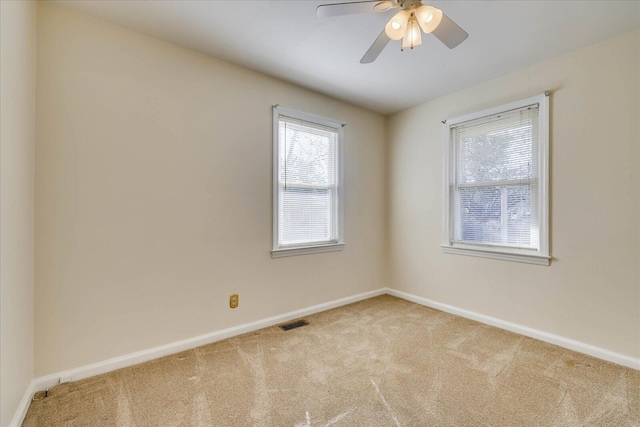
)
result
[(591, 292), (153, 195), (17, 139)]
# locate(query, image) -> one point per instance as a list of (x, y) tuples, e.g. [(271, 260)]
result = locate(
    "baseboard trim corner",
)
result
[(567, 343), (23, 407), (131, 359)]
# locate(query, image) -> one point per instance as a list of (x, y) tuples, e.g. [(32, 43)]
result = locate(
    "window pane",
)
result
[(498, 148), (307, 154), (480, 214), (496, 156), (306, 215), (498, 215)]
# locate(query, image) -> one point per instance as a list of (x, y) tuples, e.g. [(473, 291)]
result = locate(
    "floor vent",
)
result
[(293, 325)]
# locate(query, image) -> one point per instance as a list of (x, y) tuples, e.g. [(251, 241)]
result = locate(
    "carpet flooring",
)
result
[(379, 362)]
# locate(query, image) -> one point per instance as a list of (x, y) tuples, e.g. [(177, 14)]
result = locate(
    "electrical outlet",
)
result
[(66, 379), (233, 301)]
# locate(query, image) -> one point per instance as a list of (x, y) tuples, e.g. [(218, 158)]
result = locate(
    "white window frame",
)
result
[(541, 255), (283, 251)]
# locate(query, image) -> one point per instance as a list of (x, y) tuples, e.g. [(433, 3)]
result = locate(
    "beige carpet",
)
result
[(379, 362)]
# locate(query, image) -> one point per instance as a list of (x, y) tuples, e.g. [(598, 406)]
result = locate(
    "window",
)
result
[(496, 183), (307, 183)]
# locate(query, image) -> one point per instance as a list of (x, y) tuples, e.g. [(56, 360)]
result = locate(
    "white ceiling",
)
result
[(285, 39)]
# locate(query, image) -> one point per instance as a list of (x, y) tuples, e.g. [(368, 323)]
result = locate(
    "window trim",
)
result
[(278, 251), (540, 256)]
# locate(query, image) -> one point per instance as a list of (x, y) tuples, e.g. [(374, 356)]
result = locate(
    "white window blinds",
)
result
[(494, 182), (308, 193)]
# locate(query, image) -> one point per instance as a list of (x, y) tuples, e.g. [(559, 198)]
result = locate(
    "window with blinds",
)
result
[(307, 183), (497, 185)]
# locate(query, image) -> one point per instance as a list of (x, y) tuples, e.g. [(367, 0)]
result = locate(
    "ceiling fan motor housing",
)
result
[(410, 5)]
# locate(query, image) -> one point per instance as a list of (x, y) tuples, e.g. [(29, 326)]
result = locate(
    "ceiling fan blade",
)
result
[(337, 9), (376, 48), (450, 33)]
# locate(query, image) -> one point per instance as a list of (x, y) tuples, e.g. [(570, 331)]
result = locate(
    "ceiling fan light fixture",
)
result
[(406, 26), (397, 26), (412, 37), (429, 18), (383, 6)]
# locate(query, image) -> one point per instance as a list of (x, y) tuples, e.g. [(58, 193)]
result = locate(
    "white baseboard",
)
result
[(190, 343), (91, 370), (23, 407), (570, 344)]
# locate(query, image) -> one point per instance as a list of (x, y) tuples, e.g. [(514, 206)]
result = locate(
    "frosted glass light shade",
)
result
[(412, 37), (397, 26), (429, 18)]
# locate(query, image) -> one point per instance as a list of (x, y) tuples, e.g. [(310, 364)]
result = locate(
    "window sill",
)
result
[(279, 253), (504, 256)]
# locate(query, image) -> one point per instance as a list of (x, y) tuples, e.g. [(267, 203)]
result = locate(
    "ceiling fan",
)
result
[(405, 24)]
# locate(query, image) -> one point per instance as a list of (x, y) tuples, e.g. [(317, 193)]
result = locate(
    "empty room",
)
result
[(393, 213)]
